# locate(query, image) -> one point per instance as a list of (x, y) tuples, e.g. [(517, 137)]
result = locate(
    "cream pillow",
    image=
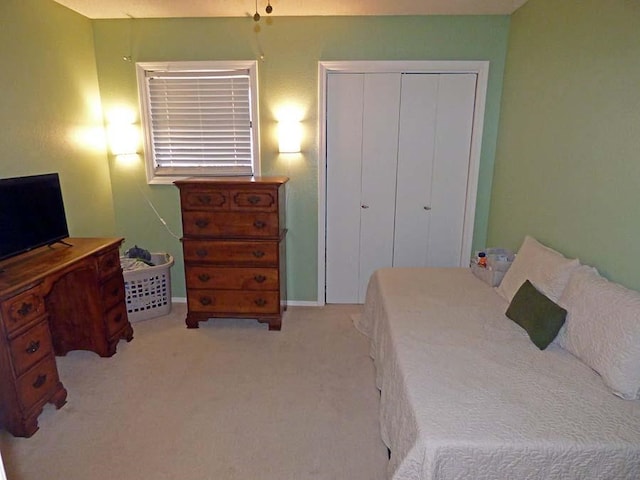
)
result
[(546, 269), (602, 329)]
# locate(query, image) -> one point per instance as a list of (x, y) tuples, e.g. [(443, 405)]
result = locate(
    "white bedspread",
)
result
[(466, 395)]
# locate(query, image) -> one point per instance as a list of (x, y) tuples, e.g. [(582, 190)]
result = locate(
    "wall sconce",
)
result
[(289, 136), (122, 133), (124, 139)]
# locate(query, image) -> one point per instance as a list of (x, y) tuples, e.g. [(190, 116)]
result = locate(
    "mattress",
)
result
[(466, 395)]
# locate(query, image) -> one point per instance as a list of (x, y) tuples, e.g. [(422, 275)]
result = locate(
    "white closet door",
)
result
[(456, 99), (344, 162), (379, 164), (397, 170), (416, 149)]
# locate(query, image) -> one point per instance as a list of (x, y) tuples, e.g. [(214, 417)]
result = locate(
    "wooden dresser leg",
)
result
[(191, 322), (60, 397), (275, 324)]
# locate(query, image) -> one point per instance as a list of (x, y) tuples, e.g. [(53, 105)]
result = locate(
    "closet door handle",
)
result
[(427, 208), (364, 206)]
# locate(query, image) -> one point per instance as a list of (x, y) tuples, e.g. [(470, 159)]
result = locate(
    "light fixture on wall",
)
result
[(268, 9), (289, 136), (124, 139), (123, 133)]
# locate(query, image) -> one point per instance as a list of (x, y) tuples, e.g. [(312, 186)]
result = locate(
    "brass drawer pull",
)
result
[(33, 347), (202, 222), (260, 278), (204, 277), (25, 309), (253, 199), (259, 224), (258, 253), (206, 301), (201, 252), (261, 302), (40, 381), (204, 199)]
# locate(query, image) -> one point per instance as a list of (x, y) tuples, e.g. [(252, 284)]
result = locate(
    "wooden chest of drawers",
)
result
[(234, 248)]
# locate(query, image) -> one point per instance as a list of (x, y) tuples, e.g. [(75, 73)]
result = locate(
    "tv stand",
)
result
[(55, 299), (60, 241)]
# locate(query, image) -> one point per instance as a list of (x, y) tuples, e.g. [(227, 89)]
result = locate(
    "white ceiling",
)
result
[(241, 8)]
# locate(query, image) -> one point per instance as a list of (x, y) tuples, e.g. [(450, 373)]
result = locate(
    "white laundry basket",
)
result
[(148, 289)]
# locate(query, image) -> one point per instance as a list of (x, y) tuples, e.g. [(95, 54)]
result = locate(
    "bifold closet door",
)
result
[(344, 162), (436, 121), (398, 150), (362, 140)]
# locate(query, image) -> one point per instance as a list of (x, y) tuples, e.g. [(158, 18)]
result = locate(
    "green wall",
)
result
[(292, 48), (568, 159), (50, 114)]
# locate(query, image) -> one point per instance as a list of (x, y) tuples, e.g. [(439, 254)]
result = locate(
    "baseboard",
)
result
[(301, 303)]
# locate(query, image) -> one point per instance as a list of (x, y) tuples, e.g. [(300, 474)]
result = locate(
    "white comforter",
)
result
[(466, 395)]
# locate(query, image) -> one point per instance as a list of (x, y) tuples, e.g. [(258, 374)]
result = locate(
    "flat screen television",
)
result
[(31, 213)]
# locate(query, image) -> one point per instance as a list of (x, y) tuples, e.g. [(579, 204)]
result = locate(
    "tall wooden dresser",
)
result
[(234, 248)]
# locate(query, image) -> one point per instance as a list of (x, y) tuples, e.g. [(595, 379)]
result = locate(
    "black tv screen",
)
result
[(31, 213)]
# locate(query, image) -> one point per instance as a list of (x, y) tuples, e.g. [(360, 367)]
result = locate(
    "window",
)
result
[(198, 119)]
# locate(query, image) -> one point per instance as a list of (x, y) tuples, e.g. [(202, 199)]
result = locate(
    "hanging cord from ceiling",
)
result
[(129, 56)]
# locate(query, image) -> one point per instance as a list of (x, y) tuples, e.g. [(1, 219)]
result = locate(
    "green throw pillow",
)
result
[(537, 314)]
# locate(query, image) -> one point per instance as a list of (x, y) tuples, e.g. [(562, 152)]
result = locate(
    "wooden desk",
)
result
[(53, 300)]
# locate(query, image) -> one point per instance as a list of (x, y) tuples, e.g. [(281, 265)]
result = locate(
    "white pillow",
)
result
[(546, 269), (603, 329)]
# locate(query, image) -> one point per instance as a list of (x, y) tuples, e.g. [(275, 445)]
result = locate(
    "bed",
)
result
[(465, 394)]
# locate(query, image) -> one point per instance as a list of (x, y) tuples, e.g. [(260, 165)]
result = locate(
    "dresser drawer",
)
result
[(231, 252), (204, 199), (116, 319), (22, 309), (37, 382), (230, 224), (109, 263), (113, 291), (229, 278), (248, 199), (227, 301), (30, 347)]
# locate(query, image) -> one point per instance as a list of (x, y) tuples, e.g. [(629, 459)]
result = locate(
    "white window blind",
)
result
[(200, 122)]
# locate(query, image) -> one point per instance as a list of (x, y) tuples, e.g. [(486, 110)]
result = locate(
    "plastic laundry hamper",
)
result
[(148, 289)]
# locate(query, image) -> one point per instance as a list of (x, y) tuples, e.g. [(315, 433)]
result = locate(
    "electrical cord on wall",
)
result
[(162, 220)]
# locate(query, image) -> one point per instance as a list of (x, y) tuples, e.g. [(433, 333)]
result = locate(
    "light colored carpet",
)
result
[(227, 401)]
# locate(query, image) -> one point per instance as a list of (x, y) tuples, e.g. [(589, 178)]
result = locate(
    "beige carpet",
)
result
[(227, 401)]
